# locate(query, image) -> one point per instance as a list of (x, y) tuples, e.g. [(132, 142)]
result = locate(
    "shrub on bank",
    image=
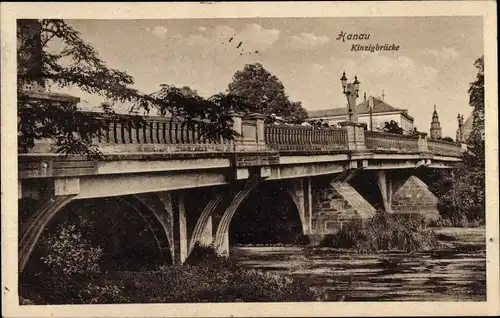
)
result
[(69, 253), (205, 277), (461, 222), (385, 232)]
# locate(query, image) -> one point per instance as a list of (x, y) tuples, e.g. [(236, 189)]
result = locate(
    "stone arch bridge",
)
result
[(157, 168)]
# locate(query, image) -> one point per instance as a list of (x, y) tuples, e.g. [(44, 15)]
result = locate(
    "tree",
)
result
[(447, 139), (463, 196), (262, 92), (78, 64), (475, 157), (393, 127), (473, 180)]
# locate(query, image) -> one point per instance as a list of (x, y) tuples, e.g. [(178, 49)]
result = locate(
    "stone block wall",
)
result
[(415, 197), (335, 205)]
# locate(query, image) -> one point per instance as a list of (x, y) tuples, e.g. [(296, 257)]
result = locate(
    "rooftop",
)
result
[(379, 106)]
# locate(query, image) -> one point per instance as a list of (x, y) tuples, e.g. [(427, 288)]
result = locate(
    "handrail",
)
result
[(294, 137), (257, 136), (393, 142), (442, 147)]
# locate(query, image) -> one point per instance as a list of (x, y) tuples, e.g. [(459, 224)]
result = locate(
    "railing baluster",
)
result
[(131, 132), (186, 131), (119, 133), (182, 127), (156, 132), (136, 129), (200, 136), (151, 133), (175, 130), (112, 136), (163, 131)]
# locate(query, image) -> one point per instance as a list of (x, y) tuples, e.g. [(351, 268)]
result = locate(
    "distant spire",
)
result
[(435, 125), (364, 96), (383, 95)]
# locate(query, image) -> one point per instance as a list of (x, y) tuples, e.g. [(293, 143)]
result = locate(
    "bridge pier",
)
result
[(414, 196), (402, 193), (336, 203), (301, 194), (385, 187), (180, 229)]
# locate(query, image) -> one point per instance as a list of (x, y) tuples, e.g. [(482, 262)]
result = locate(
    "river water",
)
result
[(454, 273)]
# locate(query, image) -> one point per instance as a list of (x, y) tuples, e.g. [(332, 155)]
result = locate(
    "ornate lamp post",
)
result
[(351, 91), (355, 130)]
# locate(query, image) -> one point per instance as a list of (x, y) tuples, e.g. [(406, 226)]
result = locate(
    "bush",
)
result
[(385, 232), (457, 221), (205, 277), (68, 253), (202, 254), (93, 293)]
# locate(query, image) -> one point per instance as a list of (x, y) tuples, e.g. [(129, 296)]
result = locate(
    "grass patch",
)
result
[(385, 232)]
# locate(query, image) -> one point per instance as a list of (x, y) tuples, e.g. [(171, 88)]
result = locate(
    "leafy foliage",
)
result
[(209, 279), (262, 92), (462, 194), (78, 64), (385, 232), (393, 127), (475, 157), (70, 254), (447, 139), (93, 293)]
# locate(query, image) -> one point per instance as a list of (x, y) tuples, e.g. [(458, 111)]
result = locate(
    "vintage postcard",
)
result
[(249, 159)]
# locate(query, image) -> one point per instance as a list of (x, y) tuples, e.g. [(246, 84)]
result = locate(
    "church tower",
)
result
[(435, 125)]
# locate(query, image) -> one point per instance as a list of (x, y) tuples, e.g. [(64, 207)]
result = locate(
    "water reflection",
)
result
[(457, 273)]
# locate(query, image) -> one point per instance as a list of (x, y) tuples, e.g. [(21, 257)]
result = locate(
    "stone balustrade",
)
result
[(294, 137), (392, 142), (160, 134), (445, 148)]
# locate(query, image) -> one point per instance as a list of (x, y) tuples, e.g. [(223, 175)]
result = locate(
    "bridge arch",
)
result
[(155, 223), (49, 209), (203, 219), (34, 226), (221, 237)]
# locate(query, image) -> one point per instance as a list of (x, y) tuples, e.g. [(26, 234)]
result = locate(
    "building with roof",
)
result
[(464, 129), (381, 113)]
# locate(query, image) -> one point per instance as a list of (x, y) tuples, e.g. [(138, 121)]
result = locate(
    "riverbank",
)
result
[(279, 273), (452, 237), (205, 279), (454, 272)]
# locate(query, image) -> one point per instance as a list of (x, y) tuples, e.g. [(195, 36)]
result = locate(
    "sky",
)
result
[(433, 66)]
